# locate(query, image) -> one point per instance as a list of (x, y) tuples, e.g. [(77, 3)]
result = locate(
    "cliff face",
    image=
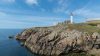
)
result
[(58, 40)]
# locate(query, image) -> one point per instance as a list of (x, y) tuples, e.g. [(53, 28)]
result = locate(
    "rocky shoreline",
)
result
[(59, 40)]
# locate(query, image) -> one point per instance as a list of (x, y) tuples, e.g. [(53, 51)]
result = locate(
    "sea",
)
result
[(11, 47)]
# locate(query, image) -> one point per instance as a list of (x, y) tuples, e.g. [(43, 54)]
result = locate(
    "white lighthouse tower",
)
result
[(71, 18)]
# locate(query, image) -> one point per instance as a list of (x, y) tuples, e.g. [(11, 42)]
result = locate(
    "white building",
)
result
[(71, 18)]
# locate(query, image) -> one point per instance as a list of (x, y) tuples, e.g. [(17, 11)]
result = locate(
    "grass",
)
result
[(77, 54), (84, 27)]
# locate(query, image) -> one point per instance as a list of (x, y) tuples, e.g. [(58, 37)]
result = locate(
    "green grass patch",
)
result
[(84, 27)]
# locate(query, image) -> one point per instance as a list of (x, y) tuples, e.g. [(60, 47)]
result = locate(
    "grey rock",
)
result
[(58, 40)]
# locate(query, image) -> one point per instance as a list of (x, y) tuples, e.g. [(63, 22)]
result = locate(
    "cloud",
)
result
[(87, 13), (2, 13), (67, 6), (39, 19), (62, 6), (13, 21), (31, 2), (8, 1), (14, 24), (50, 0)]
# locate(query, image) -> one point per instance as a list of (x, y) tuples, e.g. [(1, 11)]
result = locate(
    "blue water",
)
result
[(11, 47)]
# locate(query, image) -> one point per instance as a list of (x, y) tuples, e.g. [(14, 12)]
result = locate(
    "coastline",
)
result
[(60, 39)]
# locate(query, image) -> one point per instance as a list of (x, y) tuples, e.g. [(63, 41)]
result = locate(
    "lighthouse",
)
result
[(71, 18)]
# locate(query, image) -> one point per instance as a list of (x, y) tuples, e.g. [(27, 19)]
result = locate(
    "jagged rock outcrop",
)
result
[(58, 40)]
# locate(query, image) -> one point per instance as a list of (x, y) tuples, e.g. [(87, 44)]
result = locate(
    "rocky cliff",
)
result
[(60, 39)]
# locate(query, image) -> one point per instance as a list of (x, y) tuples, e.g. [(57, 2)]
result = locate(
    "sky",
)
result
[(38, 13)]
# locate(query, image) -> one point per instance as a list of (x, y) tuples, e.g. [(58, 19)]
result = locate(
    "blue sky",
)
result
[(31, 13)]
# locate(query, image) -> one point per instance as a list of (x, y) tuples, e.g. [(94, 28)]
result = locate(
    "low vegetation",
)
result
[(67, 38), (84, 27)]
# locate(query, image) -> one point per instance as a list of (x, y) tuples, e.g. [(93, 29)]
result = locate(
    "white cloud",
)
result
[(42, 9), (50, 0), (62, 6), (8, 1), (61, 2), (2, 13), (11, 21), (31, 2), (14, 24), (87, 13)]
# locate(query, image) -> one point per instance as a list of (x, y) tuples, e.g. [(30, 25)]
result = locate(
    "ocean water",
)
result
[(11, 47)]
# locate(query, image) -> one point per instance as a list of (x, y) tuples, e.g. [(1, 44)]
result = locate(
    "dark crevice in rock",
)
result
[(59, 40)]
